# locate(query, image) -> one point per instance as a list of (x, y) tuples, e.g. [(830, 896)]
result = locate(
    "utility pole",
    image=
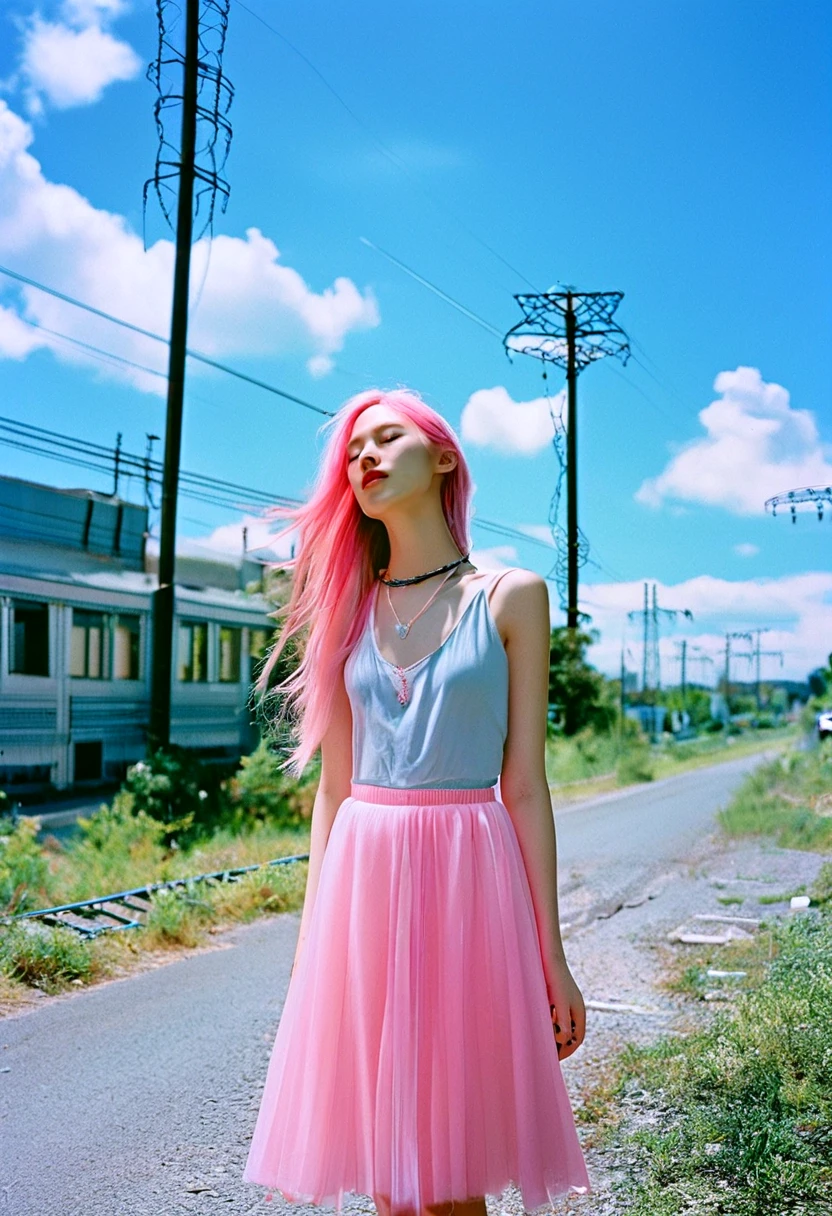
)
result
[(759, 655), (684, 682), (570, 329), (817, 496), (116, 464), (744, 635), (163, 598), (645, 663), (572, 542), (204, 100), (651, 615)]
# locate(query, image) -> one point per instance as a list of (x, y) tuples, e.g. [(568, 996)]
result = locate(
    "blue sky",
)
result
[(678, 153)]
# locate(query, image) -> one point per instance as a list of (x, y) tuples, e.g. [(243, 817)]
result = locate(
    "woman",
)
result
[(416, 1058)]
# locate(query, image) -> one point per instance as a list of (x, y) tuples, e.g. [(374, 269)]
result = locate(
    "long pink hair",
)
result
[(338, 556)]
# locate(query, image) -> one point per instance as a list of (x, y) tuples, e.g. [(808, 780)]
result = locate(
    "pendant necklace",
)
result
[(403, 629)]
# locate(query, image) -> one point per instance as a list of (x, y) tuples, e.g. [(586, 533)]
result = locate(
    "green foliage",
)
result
[(172, 787), (578, 694), (789, 799), (46, 958), (23, 866), (177, 914), (118, 847), (697, 702), (743, 1109), (635, 762), (261, 792)]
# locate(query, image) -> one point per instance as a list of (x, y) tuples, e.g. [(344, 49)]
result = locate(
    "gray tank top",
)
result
[(451, 731)]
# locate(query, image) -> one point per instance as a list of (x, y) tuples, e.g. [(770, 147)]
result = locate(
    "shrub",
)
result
[(636, 760), (117, 848), (259, 791), (46, 958), (23, 867)]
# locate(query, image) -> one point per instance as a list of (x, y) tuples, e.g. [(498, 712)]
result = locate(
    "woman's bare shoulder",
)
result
[(519, 602)]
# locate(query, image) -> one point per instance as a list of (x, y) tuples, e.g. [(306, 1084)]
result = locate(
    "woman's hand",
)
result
[(567, 1009)]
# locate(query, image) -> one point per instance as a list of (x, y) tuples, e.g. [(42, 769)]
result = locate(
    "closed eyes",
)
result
[(387, 439)]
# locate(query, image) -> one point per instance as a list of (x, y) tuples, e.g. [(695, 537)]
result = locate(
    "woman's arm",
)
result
[(524, 620), (333, 788)]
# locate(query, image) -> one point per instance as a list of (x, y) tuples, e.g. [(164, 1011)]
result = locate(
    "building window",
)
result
[(125, 647), (88, 761), (29, 638), (193, 651), (86, 651), (258, 646), (230, 643)]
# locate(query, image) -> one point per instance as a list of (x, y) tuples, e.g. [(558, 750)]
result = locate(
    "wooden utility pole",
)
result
[(572, 542), (163, 598)]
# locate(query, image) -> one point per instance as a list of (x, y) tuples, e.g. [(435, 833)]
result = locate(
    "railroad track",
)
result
[(129, 909)]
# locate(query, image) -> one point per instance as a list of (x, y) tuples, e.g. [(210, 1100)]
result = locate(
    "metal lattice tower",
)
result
[(570, 329), (214, 95), (200, 95), (819, 496), (651, 615)]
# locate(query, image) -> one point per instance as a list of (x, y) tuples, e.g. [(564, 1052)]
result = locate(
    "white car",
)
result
[(824, 724)]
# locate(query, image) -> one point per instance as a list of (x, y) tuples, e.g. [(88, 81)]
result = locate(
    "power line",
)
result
[(146, 333), (443, 295), (385, 151), (197, 486)]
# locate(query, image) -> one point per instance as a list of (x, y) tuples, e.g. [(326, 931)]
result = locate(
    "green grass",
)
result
[(788, 799), (590, 764), (736, 1118)]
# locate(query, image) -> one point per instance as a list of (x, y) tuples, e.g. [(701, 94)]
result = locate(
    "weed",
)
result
[(45, 958), (737, 1115), (23, 867), (787, 799)]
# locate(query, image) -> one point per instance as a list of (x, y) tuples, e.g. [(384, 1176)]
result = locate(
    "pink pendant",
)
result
[(403, 693)]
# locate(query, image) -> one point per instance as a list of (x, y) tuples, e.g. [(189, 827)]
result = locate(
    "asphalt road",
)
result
[(138, 1097)]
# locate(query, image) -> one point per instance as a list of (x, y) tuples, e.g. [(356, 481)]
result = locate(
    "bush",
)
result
[(743, 1109), (23, 867), (118, 848), (636, 761), (46, 958), (259, 792)]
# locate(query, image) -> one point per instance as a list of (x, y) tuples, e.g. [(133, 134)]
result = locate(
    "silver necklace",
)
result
[(403, 627)]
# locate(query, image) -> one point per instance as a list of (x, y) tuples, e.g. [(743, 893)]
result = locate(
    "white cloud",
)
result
[(797, 607), (491, 418), (251, 304), (538, 531), (68, 66), (756, 446), (746, 549)]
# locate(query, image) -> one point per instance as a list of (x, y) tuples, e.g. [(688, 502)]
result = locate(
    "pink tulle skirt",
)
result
[(415, 1057)]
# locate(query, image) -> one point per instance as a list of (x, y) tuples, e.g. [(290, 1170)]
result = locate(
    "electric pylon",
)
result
[(570, 329), (818, 496), (204, 139), (651, 615)]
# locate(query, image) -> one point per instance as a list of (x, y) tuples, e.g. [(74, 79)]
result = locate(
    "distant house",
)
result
[(76, 583)]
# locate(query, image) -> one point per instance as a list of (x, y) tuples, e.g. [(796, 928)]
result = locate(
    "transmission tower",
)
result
[(202, 100), (651, 615), (570, 329), (819, 496), (759, 655)]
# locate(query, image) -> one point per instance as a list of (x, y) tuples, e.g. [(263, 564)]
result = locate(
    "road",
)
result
[(138, 1097)]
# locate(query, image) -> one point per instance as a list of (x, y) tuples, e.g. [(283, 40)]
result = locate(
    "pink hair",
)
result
[(340, 552)]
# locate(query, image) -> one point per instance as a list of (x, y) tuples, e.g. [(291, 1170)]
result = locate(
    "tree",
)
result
[(579, 695)]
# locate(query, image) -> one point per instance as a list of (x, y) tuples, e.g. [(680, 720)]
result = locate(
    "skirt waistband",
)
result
[(391, 796)]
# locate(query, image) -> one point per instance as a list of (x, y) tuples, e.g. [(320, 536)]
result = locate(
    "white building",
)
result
[(76, 589)]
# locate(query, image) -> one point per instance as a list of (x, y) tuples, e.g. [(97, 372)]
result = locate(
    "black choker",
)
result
[(419, 578)]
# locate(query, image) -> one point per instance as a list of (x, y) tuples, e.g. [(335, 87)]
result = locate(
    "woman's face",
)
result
[(387, 443)]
